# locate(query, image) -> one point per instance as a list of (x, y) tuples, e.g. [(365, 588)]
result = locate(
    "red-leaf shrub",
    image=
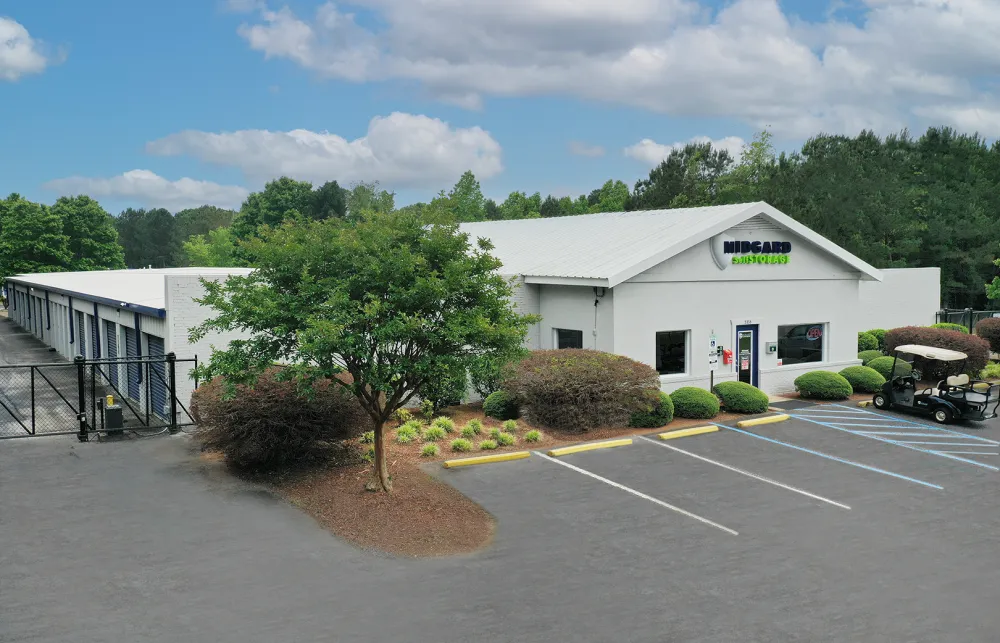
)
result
[(577, 389), (271, 425), (976, 348), (989, 329)]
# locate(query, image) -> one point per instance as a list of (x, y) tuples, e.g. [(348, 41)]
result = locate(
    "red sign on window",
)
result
[(815, 332), (745, 365)]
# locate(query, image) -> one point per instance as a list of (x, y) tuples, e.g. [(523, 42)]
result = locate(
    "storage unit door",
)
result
[(111, 335), (81, 335), (157, 375), (94, 336), (131, 351)]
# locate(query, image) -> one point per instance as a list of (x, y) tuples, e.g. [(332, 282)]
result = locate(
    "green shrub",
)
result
[(369, 454), (488, 372), (468, 432), (496, 433), (884, 366), (867, 356), (510, 426), (448, 389), (977, 348), (740, 397), (657, 414), (406, 434), (959, 328), (402, 416), (273, 424), (867, 342), (694, 403), (578, 389), (533, 436), (989, 329), (823, 385), (476, 426), (488, 445), (991, 372), (506, 439), (430, 450), (863, 379), (879, 334), (368, 437), (501, 405), (444, 423), (461, 444), (434, 433), (427, 410)]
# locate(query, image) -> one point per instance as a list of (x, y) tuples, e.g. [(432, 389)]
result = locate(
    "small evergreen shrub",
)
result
[(694, 403), (447, 389), (487, 445), (657, 414), (535, 436), (879, 334), (475, 425), (867, 342), (368, 437), (461, 444), (863, 379), (991, 372), (427, 410), (977, 348), (501, 405), (430, 450), (867, 356), (445, 423), (510, 426), (740, 397), (402, 416), (989, 329), (884, 366), (506, 439), (823, 385), (434, 433), (958, 328)]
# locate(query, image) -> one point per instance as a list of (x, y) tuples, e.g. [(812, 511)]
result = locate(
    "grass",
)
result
[(487, 445), (474, 426), (506, 440), (430, 450), (446, 424), (461, 444), (510, 426), (533, 436), (434, 433)]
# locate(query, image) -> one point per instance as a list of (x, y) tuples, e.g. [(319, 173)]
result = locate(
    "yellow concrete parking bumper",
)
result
[(764, 420), (683, 433), (591, 446), (485, 459)]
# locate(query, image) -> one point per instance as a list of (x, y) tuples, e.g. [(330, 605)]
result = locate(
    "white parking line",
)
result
[(971, 452), (747, 473), (637, 493)]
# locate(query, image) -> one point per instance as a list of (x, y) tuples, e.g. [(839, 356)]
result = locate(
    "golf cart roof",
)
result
[(932, 352)]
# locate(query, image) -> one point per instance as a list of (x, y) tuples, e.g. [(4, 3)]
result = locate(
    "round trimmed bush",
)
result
[(501, 405), (863, 379), (949, 326), (989, 329), (694, 403), (823, 385), (867, 356), (656, 415), (740, 397), (879, 334), (867, 342), (884, 366), (977, 348)]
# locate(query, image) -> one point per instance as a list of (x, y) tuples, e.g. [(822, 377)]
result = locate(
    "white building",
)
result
[(120, 313), (659, 286)]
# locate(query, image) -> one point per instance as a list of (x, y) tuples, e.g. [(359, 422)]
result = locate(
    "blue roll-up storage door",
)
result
[(157, 378), (111, 339), (81, 335), (93, 337), (131, 351)]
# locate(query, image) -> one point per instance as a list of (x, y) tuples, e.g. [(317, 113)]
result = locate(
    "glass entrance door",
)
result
[(746, 354)]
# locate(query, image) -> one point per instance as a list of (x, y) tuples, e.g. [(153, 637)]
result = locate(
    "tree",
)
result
[(467, 199), (93, 239), (688, 177), (329, 201), (613, 197), (550, 207), (491, 211), (747, 181), (31, 239), (519, 205), (149, 238), (367, 197), (281, 199), (993, 288), (217, 249), (202, 220), (392, 302)]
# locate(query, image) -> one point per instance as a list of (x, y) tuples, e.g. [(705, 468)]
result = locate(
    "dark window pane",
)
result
[(801, 343), (569, 338), (671, 352)]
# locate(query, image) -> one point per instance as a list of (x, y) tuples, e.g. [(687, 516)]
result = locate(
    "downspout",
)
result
[(71, 336)]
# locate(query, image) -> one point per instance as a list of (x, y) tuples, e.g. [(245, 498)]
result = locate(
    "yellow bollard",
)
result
[(110, 400)]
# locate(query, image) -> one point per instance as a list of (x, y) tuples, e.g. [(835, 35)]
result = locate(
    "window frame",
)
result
[(556, 340), (686, 333), (824, 345)]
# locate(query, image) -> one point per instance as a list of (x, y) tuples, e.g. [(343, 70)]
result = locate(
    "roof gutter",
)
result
[(112, 303)]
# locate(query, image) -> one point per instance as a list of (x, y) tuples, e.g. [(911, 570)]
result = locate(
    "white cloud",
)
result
[(152, 190), (20, 54), (747, 61), (579, 148), (399, 150), (651, 153)]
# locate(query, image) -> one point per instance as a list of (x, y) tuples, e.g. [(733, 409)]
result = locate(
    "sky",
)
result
[(177, 103)]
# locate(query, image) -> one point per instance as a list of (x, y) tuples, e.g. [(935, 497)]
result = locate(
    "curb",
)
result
[(683, 433), (865, 403), (765, 420), (607, 444), (485, 459)]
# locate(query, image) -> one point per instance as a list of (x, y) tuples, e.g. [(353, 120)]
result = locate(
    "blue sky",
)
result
[(535, 99)]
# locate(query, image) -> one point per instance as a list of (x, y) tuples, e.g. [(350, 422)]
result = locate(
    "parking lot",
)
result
[(794, 531)]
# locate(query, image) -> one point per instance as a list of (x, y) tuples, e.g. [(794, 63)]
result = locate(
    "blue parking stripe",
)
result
[(930, 427), (832, 457)]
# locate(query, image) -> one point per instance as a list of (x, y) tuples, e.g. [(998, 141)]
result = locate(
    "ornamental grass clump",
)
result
[(506, 439)]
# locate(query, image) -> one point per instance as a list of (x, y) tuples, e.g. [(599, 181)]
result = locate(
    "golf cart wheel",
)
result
[(942, 415), (880, 402)]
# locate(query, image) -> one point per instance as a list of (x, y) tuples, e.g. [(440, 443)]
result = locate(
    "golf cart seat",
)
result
[(958, 380)]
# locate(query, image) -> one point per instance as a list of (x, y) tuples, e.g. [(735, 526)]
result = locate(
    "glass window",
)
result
[(569, 338), (671, 352), (801, 343)]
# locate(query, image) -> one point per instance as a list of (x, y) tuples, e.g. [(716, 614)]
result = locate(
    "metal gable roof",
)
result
[(616, 246)]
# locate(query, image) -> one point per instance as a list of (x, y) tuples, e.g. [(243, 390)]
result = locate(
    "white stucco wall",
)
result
[(526, 302), (904, 297), (572, 308)]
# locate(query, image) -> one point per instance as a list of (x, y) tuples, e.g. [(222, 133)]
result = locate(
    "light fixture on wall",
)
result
[(600, 292)]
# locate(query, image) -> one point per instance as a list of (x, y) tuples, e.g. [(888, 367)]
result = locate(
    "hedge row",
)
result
[(977, 348)]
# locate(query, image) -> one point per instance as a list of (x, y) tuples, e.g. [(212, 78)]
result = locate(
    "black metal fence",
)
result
[(965, 316), (63, 398)]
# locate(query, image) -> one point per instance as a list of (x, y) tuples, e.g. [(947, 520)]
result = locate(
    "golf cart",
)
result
[(955, 397)]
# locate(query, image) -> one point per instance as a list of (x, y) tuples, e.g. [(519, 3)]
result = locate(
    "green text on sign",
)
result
[(761, 259)]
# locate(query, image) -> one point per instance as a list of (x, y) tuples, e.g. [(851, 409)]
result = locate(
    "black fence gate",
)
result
[(65, 398)]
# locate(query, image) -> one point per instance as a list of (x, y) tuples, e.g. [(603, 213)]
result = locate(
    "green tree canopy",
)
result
[(93, 239), (368, 197), (202, 220), (216, 249), (31, 239), (467, 199), (149, 237), (688, 177), (393, 302)]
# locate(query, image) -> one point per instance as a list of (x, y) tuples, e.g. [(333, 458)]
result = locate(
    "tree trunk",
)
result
[(381, 470)]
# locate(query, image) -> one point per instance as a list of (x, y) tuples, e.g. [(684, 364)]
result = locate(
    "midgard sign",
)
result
[(757, 251)]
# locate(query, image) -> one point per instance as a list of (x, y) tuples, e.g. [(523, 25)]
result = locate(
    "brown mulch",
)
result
[(856, 397)]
